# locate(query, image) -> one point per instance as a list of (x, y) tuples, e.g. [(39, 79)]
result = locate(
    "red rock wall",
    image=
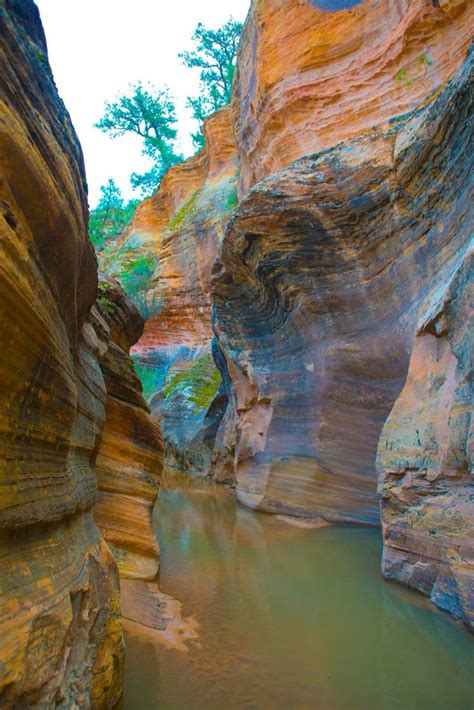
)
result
[(308, 79), (183, 220), (60, 631)]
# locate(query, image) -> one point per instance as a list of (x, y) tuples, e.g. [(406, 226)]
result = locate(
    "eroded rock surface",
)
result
[(179, 230), (320, 277), (130, 457), (60, 632), (312, 74), (425, 456)]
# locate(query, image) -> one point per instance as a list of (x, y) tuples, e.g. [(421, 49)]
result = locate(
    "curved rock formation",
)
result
[(309, 78), (317, 288), (130, 458), (180, 228), (60, 632), (425, 456)]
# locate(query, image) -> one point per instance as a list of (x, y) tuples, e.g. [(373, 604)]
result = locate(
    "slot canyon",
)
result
[(248, 483)]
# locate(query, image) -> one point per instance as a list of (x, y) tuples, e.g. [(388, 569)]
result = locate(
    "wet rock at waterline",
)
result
[(425, 456)]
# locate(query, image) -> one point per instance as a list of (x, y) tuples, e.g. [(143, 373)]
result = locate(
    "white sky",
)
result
[(97, 47)]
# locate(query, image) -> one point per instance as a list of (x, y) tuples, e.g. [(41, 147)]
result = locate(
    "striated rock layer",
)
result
[(60, 631), (309, 78), (130, 458), (180, 229), (425, 456), (317, 288)]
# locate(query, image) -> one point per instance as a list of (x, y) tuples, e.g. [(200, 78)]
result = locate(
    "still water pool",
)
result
[(289, 618)]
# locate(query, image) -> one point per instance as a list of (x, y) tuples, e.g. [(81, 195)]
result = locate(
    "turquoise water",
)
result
[(290, 618)]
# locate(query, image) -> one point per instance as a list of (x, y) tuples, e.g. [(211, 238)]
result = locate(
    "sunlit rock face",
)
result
[(130, 457), (312, 74), (425, 456), (60, 632), (317, 290), (183, 225)]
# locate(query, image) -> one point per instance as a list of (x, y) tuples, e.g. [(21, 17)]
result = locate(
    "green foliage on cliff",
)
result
[(136, 274), (103, 300), (214, 54), (232, 198), (198, 383), (211, 202), (135, 264), (185, 212), (151, 114), (403, 78), (150, 377), (111, 215)]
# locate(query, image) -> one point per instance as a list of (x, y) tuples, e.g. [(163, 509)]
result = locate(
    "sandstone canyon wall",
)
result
[(324, 266), (425, 455), (61, 639), (130, 457), (309, 77), (179, 229)]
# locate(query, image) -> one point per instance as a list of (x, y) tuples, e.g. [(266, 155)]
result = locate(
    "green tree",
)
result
[(150, 114), (215, 54), (111, 215), (111, 197)]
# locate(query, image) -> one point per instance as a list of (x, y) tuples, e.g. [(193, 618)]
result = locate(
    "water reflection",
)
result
[(290, 618)]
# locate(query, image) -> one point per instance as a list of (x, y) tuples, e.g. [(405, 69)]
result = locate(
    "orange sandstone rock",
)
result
[(185, 220), (317, 288), (130, 457), (308, 79), (60, 631)]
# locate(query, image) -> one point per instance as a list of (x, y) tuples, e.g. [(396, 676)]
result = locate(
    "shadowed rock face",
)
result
[(60, 631), (317, 290), (130, 458), (425, 456)]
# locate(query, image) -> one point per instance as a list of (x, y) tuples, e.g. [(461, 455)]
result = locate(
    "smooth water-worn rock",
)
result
[(179, 230), (317, 289), (60, 631), (425, 456), (130, 457)]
